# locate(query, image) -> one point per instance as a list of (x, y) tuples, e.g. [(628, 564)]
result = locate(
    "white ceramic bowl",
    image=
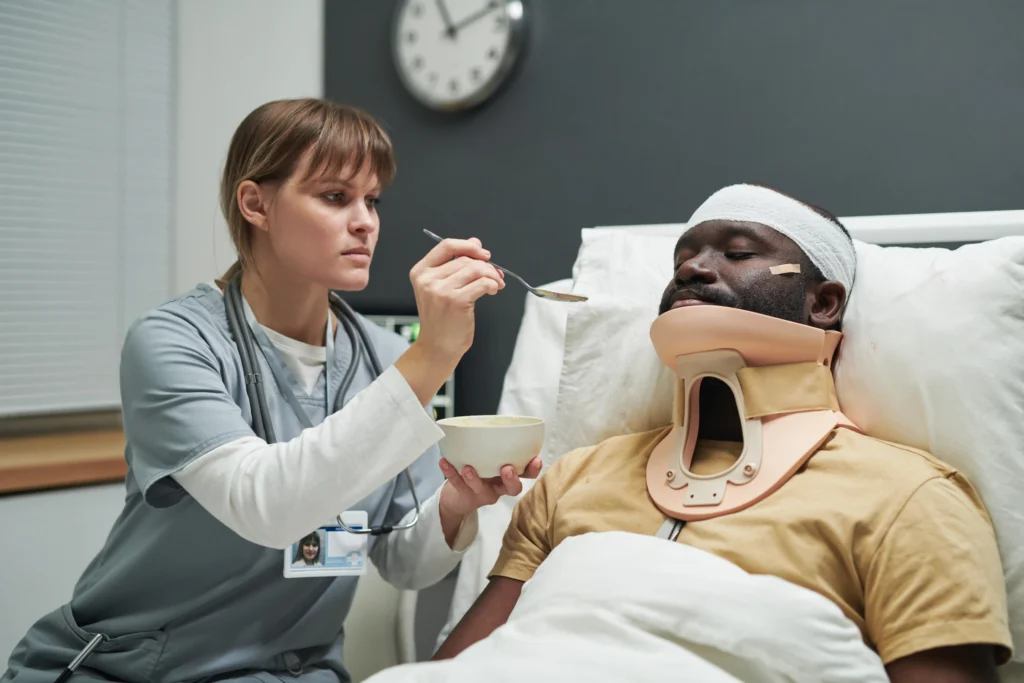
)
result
[(488, 442)]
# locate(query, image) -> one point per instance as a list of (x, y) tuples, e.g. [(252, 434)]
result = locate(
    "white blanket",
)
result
[(622, 607)]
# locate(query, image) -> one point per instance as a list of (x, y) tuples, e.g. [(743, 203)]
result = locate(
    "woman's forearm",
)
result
[(273, 494)]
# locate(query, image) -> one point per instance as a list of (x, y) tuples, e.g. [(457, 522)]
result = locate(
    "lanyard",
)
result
[(276, 368)]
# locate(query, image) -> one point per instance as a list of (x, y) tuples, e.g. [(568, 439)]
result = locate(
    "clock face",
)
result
[(453, 54)]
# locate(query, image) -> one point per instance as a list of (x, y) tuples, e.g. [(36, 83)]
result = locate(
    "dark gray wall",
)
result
[(632, 111)]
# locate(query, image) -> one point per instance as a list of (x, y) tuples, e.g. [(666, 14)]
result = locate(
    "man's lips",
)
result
[(681, 303), (687, 297)]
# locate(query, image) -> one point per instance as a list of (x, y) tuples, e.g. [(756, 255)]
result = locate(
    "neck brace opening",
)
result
[(781, 378)]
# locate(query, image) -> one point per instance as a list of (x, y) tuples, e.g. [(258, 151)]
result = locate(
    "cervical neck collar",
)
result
[(780, 375)]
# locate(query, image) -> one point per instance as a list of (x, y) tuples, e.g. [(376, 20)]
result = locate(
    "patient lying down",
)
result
[(895, 539)]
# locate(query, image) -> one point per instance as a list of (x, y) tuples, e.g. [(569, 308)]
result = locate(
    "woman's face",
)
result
[(310, 550), (326, 228)]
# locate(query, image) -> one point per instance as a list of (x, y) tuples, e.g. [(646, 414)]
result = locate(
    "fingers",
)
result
[(471, 272), (464, 270), (448, 249), (447, 283), (476, 492), (478, 288), (510, 481), (456, 480), (533, 469), (488, 491), (465, 277), (475, 483), (455, 265)]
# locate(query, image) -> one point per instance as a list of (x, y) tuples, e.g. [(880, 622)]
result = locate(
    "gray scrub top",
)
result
[(179, 595)]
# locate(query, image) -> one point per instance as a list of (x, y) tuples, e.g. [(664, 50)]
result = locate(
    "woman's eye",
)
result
[(373, 202), (334, 196)]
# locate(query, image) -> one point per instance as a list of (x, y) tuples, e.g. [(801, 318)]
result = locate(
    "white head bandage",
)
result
[(823, 241)]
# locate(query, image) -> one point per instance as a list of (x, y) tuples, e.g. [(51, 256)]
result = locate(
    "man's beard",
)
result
[(784, 306), (783, 303)]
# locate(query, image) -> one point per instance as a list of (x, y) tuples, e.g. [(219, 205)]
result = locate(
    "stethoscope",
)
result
[(261, 423)]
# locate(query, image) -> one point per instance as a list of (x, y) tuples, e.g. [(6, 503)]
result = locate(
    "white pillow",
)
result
[(531, 381), (950, 322), (611, 377)]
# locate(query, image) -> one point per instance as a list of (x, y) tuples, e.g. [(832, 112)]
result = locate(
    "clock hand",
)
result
[(491, 6), (449, 30)]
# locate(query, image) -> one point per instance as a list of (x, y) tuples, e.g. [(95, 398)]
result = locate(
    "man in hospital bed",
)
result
[(899, 541)]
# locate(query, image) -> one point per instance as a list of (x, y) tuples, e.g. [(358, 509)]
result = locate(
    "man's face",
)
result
[(726, 263)]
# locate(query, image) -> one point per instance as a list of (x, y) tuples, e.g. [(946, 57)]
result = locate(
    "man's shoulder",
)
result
[(875, 455), (623, 447), (898, 472)]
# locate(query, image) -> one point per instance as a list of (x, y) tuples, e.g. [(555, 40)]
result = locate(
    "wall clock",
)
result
[(455, 54)]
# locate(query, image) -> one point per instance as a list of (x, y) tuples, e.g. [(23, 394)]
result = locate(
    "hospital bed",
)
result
[(534, 376)]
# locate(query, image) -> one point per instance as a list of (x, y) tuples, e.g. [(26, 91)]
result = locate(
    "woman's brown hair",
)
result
[(270, 142)]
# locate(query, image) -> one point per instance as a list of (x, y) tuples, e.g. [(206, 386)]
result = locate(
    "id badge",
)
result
[(330, 550)]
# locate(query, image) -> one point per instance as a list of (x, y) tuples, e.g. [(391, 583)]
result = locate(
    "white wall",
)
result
[(77, 520), (233, 55)]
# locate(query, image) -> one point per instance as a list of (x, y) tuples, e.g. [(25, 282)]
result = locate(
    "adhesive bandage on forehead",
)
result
[(822, 240)]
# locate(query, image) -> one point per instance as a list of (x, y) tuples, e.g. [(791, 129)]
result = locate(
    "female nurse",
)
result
[(191, 585)]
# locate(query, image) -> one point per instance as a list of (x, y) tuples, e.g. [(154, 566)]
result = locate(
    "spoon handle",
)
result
[(438, 238)]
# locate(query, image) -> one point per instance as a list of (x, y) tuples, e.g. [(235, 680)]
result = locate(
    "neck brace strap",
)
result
[(779, 373)]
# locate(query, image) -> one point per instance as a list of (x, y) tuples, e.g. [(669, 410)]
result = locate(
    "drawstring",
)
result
[(670, 529)]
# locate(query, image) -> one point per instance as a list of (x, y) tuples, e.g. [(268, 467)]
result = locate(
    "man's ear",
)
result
[(825, 304), (253, 203)]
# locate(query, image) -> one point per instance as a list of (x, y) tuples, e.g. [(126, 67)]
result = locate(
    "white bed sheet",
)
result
[(624, 607)]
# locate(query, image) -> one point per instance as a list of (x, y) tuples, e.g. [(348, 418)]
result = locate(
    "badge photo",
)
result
[(330, 550)]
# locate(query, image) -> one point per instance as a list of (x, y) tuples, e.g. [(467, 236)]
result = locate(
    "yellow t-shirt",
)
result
[(898, 540)]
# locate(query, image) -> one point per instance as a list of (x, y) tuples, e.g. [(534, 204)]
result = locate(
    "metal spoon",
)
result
[(542, 293)]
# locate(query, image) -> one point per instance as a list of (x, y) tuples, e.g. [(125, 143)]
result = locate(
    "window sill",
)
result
[(33, 463)]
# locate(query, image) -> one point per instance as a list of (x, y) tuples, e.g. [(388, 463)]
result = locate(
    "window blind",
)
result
[(86, 133)]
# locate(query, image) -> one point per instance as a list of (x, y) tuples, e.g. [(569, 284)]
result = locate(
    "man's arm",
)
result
[(935, 602), (525, 546), (960, 664), (490, 611)]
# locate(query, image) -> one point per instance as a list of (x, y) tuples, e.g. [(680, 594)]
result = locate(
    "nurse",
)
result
[(191, 583)]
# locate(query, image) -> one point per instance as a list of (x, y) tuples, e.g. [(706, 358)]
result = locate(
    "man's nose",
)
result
[(697, 268)]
